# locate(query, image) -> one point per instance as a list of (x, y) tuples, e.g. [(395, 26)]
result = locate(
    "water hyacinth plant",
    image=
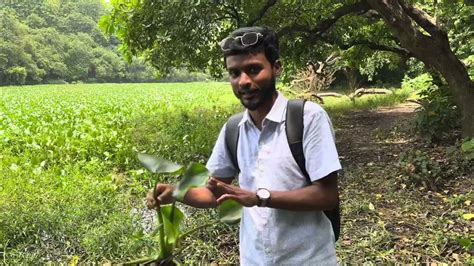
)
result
[(170, 217)]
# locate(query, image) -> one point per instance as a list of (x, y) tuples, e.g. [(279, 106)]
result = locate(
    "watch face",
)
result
[(263, 193)]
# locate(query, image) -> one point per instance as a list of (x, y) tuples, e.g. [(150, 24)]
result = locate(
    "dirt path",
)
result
[(360, 135), (386, 219)]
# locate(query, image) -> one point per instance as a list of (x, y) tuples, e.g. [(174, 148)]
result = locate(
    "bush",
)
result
[(461, 156), (469, 62), (437, 115), (16, 75), (57, 81), (467, 148), (421, 82), (433, 170), (417, 168)]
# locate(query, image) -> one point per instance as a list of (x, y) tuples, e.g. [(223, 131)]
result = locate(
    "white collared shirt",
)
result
[(274, 236)]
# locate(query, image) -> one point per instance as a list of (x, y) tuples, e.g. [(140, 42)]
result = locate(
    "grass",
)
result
[(387, 221), (71, 186), (391, 211), (337, 106)]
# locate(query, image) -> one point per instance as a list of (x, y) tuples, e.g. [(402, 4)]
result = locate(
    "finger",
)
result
[(160, 189), (211, 183), (150, 194), (225, 197), (226, 188), (162, 196), (150, 203)]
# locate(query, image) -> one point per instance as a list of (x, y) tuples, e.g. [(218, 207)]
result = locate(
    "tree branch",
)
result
[(359, 7), (232, 11), (293, 28), (422, 18), (397, 19), (262, 12), (379, 47)]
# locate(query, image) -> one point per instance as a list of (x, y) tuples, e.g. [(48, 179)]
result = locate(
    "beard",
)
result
[(253, 98)]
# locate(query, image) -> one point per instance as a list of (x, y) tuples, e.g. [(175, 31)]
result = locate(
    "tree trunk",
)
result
[(433, 49)]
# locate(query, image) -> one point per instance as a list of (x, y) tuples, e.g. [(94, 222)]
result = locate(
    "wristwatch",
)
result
[(263, 196)]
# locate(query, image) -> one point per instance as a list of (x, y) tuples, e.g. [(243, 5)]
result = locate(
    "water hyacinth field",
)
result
[(71, 183)]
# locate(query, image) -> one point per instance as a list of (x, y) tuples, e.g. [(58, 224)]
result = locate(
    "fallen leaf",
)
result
[(467, 216), (371, 206), (455, 256)]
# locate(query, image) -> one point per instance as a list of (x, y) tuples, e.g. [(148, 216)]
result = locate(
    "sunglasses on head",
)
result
[(248, 39)]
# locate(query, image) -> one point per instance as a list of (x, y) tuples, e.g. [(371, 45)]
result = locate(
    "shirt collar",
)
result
[(276, 114)]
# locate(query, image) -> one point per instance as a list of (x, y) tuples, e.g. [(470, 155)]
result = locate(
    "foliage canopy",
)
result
[(60, 41), (173, 34)]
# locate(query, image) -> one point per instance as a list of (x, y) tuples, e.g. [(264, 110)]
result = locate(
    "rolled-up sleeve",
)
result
[(319, 143), (220, 164)]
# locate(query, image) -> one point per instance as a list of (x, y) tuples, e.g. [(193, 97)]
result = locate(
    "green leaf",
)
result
[(172, 224), (465, 242), (158, 165), (106, 25), (468, 146), (144, 261), (229, 212), (468, 216), (196, 175)]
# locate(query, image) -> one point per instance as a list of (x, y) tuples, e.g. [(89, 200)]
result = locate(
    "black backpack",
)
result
[(294, 133)]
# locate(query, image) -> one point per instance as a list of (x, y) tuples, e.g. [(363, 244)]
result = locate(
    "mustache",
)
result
[(247, 90)]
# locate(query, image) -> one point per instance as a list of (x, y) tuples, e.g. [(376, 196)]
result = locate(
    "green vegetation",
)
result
[(71, 182), (70, 175), (376, 43), (308, 32), (344, 104), (170, 217), (60, 42), (71, 185)]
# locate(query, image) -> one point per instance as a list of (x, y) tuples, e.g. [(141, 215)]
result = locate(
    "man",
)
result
[(283, 221)]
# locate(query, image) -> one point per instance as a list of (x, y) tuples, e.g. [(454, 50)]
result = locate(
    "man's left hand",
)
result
[(226, 191)]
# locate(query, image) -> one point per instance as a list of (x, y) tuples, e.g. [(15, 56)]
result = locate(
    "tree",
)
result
[(429, 43), (15, 48), (16, 75), (175, 35), (57, 41), (106, 66), (78, 59)]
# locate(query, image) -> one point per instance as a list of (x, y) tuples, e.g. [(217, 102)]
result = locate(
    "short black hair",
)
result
[(268, 44)]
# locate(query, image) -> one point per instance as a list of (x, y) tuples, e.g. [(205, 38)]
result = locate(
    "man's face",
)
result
[(252, 78)]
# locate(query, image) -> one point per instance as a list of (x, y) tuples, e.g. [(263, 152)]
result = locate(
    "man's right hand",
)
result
[(162, 194)]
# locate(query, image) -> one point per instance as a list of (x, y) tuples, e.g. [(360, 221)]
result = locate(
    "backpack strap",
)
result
[(294, 133), (232, 137)]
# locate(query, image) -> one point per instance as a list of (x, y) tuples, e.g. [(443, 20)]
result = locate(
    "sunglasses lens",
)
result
[(250, 38)]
